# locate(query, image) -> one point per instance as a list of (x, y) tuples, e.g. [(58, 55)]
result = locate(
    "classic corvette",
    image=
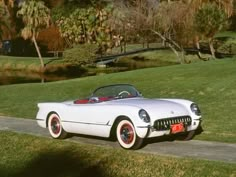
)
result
[(120, 111)]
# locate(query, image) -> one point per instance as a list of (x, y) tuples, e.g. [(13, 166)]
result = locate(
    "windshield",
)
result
[(116, 91)]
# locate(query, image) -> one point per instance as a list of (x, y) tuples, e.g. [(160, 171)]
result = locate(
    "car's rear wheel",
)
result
[(55, 128), (126, 135)]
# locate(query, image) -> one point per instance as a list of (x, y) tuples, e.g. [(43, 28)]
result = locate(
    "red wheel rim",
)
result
[(55, 125), (127, 133)]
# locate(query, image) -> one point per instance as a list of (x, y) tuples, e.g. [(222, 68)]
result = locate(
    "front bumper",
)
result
[(163, 127), (153, 132)]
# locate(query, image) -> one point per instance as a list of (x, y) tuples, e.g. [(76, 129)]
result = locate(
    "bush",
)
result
[(81, 54), (228, 46)]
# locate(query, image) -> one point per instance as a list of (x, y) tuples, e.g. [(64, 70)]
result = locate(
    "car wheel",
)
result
[(55, 128), (186, 136), (126, 135)]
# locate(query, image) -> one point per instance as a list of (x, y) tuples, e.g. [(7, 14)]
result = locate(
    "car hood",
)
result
[(157, 108)]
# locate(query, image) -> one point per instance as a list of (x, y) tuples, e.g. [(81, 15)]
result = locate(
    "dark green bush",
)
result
[(228, 46), (81, 54)]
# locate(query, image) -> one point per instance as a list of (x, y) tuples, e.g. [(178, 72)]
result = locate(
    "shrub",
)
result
[(81, 54)]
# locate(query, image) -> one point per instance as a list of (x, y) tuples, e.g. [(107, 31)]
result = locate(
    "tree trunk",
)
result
[(125, 38), (38, 51), (199, 54), (212, 48), (198, 46), (147, 40)]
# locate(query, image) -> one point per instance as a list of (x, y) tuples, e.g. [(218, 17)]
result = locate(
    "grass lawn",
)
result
[(25, 63), (30, 156), (211, 84)]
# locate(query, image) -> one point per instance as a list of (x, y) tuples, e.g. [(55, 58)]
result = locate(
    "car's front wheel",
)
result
[(55, 128), (186, 136), (126, 135)]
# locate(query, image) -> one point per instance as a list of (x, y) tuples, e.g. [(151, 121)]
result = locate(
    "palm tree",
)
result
[(36, 16)]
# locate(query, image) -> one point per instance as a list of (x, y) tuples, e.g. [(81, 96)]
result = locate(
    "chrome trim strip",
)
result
[(86, 123), (198, 119)]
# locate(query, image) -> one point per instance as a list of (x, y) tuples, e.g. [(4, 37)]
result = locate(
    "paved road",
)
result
[(195, 149)]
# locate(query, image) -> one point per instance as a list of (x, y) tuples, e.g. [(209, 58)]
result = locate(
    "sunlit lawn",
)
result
[(211, 84), (29, 156)]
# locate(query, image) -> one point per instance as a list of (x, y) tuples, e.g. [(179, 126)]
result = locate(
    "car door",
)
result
[(90, 119)]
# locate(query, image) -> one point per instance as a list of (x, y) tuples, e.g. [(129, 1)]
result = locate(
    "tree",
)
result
[(195, 5), (87, 25), (4, 20), (208, 21), (226, 5), (171, 25), (36, 16), (51, 38)]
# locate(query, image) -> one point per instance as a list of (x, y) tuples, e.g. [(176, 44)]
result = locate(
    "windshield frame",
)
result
[(117, 90)]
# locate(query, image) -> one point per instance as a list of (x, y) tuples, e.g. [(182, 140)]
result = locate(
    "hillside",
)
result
[(211, 84)]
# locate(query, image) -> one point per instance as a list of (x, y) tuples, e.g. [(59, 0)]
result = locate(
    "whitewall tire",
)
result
[(126, 135), (55, 128)]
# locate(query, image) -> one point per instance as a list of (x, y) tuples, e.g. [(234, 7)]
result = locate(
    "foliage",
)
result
[(226, 42), (51, 38), (226, 34), (62, 11), (86, 26), (169, 17), (35, 16), (130, 21), (4, 19), (210, 19), (228, 46), (81, 54)]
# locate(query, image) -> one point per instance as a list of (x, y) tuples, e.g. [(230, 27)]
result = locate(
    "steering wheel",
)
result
[(123, 94), (93, 100)]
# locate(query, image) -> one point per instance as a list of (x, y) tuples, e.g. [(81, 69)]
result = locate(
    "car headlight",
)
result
[(144, 116), (195, 109)]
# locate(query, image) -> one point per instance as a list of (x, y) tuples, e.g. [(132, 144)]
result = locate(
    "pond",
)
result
[(18, 77)]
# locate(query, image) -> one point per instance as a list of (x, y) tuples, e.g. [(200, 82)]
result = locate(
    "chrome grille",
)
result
[(164, 124)]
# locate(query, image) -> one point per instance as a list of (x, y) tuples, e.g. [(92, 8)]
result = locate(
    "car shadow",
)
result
[(169, 138), (113, 142), (90, 137)]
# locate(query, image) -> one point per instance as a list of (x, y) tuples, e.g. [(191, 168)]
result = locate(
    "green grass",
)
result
[(25, 63), (156, 58), (211, 84), (133, 47), (227, 34), (30, 156), (21, 60)]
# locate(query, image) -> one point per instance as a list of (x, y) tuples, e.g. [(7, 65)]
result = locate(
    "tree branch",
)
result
[(172, 45)]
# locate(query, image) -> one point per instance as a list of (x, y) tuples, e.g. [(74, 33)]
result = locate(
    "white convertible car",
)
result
[(121, 111)]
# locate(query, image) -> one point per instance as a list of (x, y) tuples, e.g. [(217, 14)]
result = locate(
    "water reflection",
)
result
[(16, 77)]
